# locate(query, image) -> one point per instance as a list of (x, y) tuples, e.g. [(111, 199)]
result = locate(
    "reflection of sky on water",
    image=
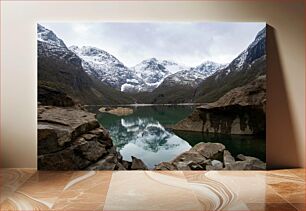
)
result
[(147, 139), (142, 134)]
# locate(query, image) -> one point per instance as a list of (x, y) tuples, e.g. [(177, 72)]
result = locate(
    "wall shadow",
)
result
[(281, 146)]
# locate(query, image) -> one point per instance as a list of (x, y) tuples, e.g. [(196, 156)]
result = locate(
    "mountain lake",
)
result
[(145, 134)]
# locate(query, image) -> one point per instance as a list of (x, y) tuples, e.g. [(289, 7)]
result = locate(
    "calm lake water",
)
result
[(144, 134)]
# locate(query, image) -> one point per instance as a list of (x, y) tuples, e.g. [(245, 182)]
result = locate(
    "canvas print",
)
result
[(151, 96)]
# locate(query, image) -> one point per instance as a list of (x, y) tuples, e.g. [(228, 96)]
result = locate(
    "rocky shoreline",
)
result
[(240, 111), (211, 156), (70, 138)]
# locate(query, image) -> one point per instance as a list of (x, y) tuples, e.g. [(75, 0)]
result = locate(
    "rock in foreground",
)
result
[(211, 156), (51, 96), (72, 139), (138, 164)]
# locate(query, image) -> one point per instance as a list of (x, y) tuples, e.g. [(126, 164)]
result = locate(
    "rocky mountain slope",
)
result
[(143, 77), (164, 94), (106, 68), (192, 76), (179, 87), (151, 81), (250, 64), (210, 81), (61, 69), (153, 71), (240, 111)]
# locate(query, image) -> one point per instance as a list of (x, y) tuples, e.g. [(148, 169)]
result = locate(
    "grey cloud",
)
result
[(187, 43)]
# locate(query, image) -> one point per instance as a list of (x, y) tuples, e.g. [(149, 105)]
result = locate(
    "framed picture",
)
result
[(151, 95)]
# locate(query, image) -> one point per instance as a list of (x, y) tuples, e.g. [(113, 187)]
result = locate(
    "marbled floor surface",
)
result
[(28, 189)]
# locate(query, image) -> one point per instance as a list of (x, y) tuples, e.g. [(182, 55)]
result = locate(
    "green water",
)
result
[(144, 134), (236, 144)]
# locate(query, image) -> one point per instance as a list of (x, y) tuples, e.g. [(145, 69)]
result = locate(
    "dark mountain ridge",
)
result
[(61, 69), (245, 68), (250, 64)]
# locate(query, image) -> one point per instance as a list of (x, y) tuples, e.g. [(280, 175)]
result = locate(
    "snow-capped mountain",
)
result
[(47, 36), (145, 76), (247, 66), (254, 51), (107, 68), (50, 45), (148, 74), (61, 70), (154, 71), (193, 76), (208, 68)]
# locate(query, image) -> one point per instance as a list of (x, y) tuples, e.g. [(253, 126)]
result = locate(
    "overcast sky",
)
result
[(187, 43)]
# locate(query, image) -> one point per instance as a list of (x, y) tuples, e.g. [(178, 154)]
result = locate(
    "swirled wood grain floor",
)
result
[(28, 189)]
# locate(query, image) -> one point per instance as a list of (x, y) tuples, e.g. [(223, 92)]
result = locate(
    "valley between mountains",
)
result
[(108, 81), (225, 99)]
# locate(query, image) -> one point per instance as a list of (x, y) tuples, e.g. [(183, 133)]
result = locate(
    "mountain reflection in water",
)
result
[(147, 139), (143, 134)]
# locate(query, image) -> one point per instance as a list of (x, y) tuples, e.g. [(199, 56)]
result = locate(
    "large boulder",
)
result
[(197, 158), (193, 156), (126, 164), (194, 159), (239, 111), (256, 163), (51, 138), (212, 151), (90, 150), (253, 93), (191, 123), (215, 165), (211, 156), (228, 158), (190, 160), (138, 164), (183, 166), (246, 163), (65, 159), (107, 163), (165, 166), (239, 165), (72, 139), (73, 121), (54, 97), (58, 127)]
